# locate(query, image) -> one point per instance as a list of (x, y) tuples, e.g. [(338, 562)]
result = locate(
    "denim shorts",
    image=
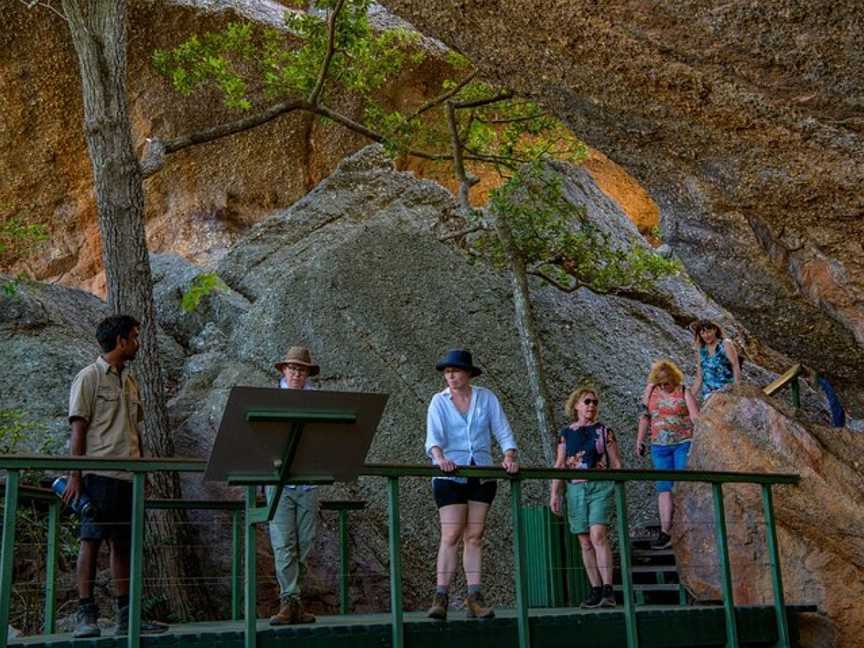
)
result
[(669, 457), (112, 514)]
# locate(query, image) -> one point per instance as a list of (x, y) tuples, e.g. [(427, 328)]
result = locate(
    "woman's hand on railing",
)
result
[(555, 502), (510, 464), (445, 464)]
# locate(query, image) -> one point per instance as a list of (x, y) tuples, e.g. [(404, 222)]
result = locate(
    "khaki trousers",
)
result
[(292, 535)]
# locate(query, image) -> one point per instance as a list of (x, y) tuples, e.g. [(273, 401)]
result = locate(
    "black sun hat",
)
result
[(460, 359)]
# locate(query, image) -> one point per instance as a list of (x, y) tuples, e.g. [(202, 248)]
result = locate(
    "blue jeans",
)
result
[(669, 457)]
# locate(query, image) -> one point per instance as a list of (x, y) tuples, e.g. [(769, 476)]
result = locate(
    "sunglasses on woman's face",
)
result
[(591, 401)]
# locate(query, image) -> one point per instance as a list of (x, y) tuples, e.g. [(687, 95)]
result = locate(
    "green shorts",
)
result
[(589, 503)]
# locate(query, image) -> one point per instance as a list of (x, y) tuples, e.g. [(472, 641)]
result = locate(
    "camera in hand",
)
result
[(81, 505)]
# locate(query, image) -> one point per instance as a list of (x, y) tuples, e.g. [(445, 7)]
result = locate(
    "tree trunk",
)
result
[(529, 340), (98, 29)]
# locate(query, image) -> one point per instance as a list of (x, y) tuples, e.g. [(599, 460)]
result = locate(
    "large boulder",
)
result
[(356, 271), (820, 523), (744, 122)]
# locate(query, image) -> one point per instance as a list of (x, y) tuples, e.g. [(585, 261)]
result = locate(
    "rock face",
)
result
[(744, 122), (820, 523), (206, 197), (355, 270)]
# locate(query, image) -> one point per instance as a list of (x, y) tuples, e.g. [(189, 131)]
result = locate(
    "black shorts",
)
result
[(447, 491), (112, 517)]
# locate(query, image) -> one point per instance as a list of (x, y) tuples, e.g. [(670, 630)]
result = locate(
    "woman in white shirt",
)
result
[(459, 427)]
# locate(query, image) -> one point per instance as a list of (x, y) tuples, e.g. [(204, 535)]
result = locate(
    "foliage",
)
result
[(488, 126), (560, 245), (17, 239), (202, 285), (16, 429), (248, 65)]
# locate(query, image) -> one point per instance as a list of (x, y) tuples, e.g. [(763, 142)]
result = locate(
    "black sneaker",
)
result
[(147, 627), (663, 541), (607, 597), (595, 596), (88, 622)]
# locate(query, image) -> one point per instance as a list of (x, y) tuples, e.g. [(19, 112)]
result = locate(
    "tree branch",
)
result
[(328, 57), (480, 227), (466, 181), (30, 4), (476, 103), (368, 133), (437, 101), (554, 282), (154, 158)]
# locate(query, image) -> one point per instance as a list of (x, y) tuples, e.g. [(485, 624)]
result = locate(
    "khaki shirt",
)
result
[(112, 410)]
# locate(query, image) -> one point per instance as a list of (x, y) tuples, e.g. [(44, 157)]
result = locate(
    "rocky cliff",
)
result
[(743, 120), (207, 196), (820, 523)]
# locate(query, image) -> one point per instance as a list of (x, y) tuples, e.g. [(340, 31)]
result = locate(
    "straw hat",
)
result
[(299, 355)]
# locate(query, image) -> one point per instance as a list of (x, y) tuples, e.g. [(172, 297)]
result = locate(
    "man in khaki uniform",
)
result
[(293, 527), (106, 416)]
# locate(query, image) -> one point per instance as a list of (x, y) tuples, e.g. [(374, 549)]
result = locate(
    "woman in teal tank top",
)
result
[(716, 359)]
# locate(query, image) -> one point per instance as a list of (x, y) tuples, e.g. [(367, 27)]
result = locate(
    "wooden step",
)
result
[(651, 553), (651, 587)]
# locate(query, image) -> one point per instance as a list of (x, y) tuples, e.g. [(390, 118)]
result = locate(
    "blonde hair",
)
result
[(668, 370), (574, 398)]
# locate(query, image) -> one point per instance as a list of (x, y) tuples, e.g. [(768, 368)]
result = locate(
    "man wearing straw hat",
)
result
[(293, 527)]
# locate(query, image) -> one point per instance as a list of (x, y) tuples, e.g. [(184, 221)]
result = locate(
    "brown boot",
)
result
[(303, 616), (439, 607), (287, 614), (475, 607)]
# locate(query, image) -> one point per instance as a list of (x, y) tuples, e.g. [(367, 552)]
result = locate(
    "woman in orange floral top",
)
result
[(668, 410)]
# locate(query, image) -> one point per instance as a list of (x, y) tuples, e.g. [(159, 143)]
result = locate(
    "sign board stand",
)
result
[(274, 437)]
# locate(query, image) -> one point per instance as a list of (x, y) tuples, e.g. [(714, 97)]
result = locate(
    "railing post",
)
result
[(725, 570), (250, 609), (136, 559), (783, 640), (626, 574), (343, 562), (10, 513), (395, 564), (523, 630), (237, 554), (51, 566)]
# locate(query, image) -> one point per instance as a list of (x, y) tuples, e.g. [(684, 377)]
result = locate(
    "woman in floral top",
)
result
[(668, 410)]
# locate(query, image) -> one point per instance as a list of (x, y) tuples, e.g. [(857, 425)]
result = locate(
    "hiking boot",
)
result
[(595, 596), (439, 607), (663, 541), (475, 607), (607, 597), (291, 613), (287, 614), (147, 627), (88, 622), (303, 616)]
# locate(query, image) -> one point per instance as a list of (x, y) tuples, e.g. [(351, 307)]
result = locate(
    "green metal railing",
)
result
[(255, 514)]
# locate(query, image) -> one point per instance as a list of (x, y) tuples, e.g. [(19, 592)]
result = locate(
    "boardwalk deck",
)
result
[(659, 626)]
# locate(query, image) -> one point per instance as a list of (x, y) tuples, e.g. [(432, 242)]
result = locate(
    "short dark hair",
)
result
[(113, 327)]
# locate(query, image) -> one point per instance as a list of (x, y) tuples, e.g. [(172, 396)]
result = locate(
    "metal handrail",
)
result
[(393, 473)]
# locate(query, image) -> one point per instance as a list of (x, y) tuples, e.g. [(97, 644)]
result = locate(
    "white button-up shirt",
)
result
[(469, 438)]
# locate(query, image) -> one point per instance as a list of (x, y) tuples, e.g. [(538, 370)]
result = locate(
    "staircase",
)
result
[(654, 572)]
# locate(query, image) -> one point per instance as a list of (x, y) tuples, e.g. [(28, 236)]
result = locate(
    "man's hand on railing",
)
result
[(73, 487)]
